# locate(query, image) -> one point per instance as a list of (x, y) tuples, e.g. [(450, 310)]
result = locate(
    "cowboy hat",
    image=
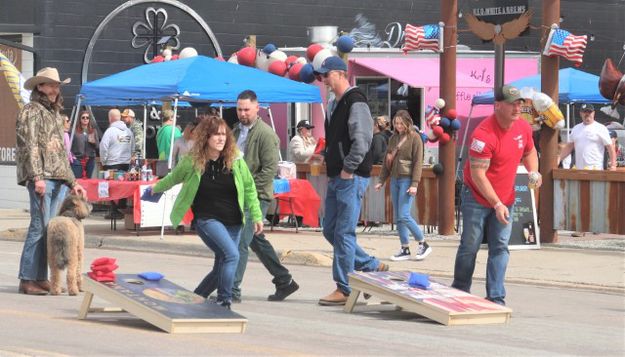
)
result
[(45, 75)]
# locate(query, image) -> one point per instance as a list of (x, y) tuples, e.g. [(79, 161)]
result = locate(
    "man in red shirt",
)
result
[(498, 145)]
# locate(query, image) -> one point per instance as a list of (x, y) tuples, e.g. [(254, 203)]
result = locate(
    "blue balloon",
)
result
[(270, 47), (306, 74), (345, 44), (424, 137), (445, 122), (455, 124)]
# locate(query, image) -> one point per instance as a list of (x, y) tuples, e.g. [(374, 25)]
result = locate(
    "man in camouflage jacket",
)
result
[(128, 117), (43, 167)]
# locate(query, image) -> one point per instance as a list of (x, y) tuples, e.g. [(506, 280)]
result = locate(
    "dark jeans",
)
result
[(78, 168), (265, 252)]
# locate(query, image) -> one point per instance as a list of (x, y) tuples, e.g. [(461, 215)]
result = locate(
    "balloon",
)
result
[(294, 71), (445, 138), (445, 122), (262, 61), (301, 60), (439, 103), (166, 54), (278, 68), (306, 74), (157, 59), (269, 48), (345, 44), (246, 56), (312, 50), (455, 124), (320, 57), (438, 169), (233, 59), (175, 57), (188, 52), (424, 137), (451, 113), (277, 55), (290, 61), (438, 131)]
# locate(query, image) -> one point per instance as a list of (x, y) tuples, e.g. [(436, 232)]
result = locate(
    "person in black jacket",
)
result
[(381, 135), (349, 129)]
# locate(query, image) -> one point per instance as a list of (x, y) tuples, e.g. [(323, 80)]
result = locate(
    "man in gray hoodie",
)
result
[(115, 153)]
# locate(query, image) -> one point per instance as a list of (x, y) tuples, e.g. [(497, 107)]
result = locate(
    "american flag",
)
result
[(425, 37), (563, 43)]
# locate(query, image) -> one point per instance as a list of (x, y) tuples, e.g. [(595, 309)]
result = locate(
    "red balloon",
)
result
[(312, 50), (445, 138), (294, 71), (438, 131), (451, 113), (290, 60), (158, 58), (278, 68), (247, 56), (175, 57)]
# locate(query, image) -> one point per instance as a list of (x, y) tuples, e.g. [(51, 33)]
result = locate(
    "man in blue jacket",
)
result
[(349, 129)]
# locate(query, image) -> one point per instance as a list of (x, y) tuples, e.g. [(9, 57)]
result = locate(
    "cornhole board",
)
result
[(162, 304), (440, 303)]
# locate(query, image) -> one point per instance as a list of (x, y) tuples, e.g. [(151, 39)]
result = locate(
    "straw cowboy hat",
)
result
[(45, 75)]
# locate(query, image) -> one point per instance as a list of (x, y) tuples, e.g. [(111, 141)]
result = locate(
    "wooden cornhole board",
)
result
[(161, 303), (441, 303)]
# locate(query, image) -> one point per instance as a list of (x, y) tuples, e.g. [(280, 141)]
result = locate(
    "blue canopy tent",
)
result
[(574, 86), (195, 79)]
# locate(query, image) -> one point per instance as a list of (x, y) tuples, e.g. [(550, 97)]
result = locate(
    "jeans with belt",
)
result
[(342, 211), (34, 262), (477, 221)]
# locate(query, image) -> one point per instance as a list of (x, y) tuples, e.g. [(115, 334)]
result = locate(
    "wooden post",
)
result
[(447, 152), (548, 137)]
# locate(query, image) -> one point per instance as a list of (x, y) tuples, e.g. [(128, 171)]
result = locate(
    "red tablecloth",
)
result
[(122, 189), (305, 201)]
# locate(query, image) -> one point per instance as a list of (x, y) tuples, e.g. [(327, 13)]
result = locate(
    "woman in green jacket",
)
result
[(218, 187)]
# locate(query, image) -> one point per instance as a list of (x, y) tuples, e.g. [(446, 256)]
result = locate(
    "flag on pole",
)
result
[(565, 44), (426, 37)]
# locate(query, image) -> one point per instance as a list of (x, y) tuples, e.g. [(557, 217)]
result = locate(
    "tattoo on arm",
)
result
[(479, 163)]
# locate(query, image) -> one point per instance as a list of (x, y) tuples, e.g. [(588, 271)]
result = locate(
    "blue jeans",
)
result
[(77, 167), (264, 251), (224, 242), (34, 262), (477, 221), (342, 210), (402, 203)]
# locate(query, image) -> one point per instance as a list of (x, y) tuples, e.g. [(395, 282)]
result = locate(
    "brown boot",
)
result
[(336, 298), (44, 284), (30, 287)]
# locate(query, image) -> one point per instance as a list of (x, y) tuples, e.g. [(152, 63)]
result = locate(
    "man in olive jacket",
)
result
[(259, 145)]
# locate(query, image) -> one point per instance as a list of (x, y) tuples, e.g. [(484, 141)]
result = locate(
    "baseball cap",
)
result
[(587, 108), (508, 94), (304, 124), (613, 133), (332, 63), (128, 113)]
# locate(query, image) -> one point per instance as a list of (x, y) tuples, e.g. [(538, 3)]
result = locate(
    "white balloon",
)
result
[(233, 59), (439, 103), (262, 60), (278, 55), (187, 52), (301, 60), (167, 54), (320, 57)]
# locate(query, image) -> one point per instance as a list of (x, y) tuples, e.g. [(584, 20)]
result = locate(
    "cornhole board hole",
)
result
[(440, 303), (162, 304)]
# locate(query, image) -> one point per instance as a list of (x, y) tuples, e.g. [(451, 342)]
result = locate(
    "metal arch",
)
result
[(131, 3)]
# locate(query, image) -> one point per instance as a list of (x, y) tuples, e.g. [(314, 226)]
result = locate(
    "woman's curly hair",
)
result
[(202, 132)]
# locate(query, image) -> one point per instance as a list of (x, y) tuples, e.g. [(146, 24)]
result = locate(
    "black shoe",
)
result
[(282, 293)]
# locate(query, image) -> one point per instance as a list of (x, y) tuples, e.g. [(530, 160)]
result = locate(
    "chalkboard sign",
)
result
[(525, 233)]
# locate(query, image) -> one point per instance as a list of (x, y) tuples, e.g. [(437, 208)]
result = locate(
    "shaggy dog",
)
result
[(66, 242)]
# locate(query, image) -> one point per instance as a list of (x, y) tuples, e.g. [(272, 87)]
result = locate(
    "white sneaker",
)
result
[(404, 254), (423, 250)]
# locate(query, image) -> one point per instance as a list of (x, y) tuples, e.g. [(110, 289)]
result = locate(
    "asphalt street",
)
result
[(546, 320)]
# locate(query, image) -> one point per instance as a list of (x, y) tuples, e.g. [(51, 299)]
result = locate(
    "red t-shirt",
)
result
[(505, 149)]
